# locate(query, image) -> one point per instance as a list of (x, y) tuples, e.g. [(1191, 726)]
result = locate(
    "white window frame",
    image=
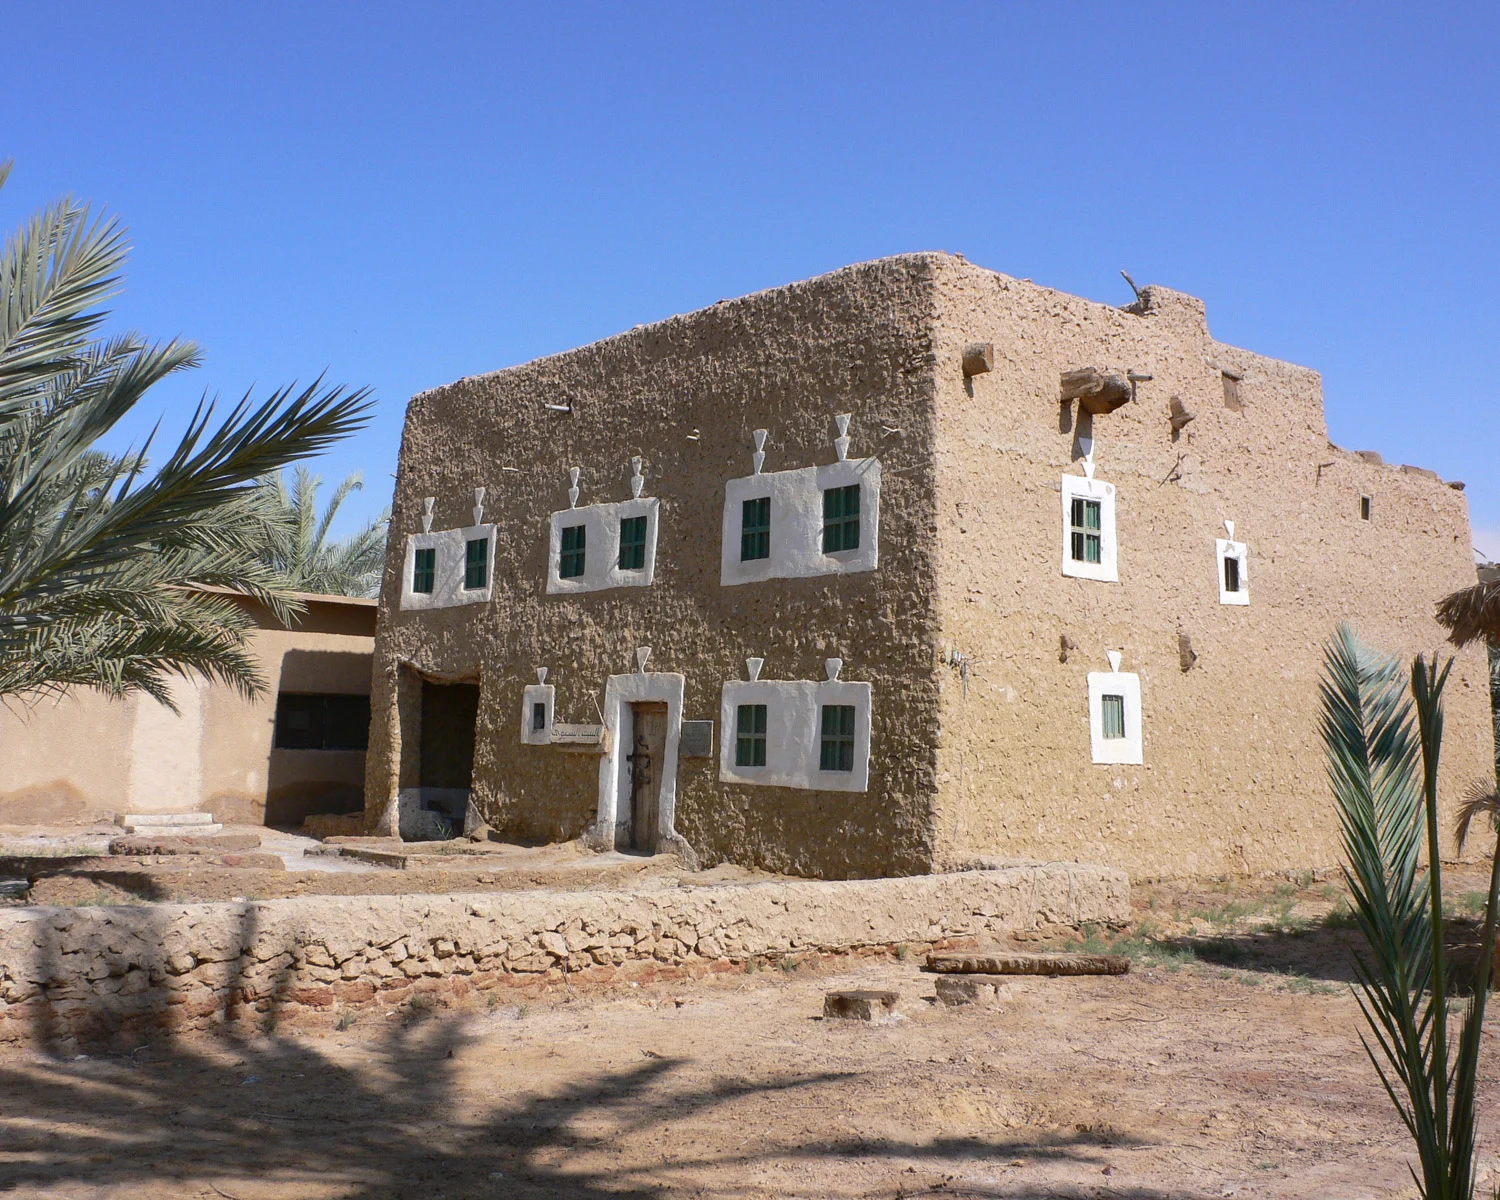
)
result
[(794, 715), (1115, 750), (448, 589), (797, 523), (601, 550), (614, 765), (1106, 570), (532, 694), (1241, 554)]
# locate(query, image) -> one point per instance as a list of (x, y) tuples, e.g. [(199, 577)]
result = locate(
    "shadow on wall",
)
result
[(320, 768)]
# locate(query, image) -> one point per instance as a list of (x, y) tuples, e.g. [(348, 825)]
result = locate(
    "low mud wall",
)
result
[(85, 973)]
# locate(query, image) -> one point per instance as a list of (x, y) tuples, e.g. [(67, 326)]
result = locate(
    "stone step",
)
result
[(174, 831), (158, 820)]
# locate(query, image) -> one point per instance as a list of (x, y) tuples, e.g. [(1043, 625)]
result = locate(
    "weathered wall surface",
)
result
[(81, 972), (685, 394), (1233, 776), (85, 757)]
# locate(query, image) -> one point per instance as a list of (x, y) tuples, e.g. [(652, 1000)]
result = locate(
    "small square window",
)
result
[(476, 564), (321, 722), (1231, 573), (755, 529), (837, 750), (424, 571), (1085, 540), (1364, 508), (633, 544), (539, 716), (574, 545), (841, 519), (750, 735), (1112, 714)]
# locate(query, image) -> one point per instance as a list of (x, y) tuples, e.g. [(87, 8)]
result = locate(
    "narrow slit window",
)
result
[(476, 564), (1086, 542), (755, 529), (1364, 508), (424, 571), (750, 735), (633, 544), (841, 519), (837, 748), (1231, 573), (539, 716), (1232, 399), (1112, 712), (574, 545)]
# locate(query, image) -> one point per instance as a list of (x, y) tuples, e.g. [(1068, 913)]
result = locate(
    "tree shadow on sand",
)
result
[(276, 1112)]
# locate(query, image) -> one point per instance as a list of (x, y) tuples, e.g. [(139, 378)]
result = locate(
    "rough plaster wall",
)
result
[(86, 756), (685, 394), (1233, 777), (76, 972)]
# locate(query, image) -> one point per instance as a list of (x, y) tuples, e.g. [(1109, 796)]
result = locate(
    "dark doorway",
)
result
[(449, 711), (647, 756)]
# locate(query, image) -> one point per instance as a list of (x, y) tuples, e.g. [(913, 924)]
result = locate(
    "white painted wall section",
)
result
[(601, 558), (1106, 570), (1240, 552), (620, 691), (448, 589), (797, 522), (1115, 683), (534, 694), (794, 712)]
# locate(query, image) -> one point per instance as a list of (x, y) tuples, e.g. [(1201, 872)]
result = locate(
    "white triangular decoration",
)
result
[(1114, 659)]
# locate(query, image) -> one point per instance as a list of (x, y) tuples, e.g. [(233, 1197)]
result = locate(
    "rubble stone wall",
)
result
[(91, 973)]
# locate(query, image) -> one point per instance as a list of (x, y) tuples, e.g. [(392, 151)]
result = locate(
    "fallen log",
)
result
[(1006, 962)]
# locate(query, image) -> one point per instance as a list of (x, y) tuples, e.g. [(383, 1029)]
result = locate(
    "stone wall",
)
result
[(89, 973)]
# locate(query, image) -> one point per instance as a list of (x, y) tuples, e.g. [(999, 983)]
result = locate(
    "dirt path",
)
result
[(1183, 1079)]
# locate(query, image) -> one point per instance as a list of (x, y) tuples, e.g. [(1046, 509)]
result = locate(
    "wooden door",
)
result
[(647, 758)]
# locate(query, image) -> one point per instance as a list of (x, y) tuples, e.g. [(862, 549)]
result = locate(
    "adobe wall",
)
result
[(1233, 777), (685, 394), (71, 973), (85, 757)]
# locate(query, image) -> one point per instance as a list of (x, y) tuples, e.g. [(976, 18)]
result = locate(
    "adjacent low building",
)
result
[(894, 568), (299, 749)]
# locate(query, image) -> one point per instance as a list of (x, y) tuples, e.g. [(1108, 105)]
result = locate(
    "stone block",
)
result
[(954, 990), (875, 1007)]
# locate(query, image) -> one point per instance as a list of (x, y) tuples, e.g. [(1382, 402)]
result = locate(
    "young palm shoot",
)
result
[(1382, 745)]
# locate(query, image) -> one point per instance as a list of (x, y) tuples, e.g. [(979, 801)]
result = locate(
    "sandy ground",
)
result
[(1227, 1063)]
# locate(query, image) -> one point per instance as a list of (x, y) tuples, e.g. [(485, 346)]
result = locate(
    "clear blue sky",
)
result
[(404, 195)]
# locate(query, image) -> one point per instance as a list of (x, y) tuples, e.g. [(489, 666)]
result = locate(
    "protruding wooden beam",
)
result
[(1009, 963), (1097, 392)]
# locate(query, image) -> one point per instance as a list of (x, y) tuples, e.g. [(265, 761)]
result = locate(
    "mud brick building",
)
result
[(893, 568)]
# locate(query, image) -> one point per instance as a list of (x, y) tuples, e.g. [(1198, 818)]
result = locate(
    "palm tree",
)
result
[(104, 562), (303, 556), (1382, 745)]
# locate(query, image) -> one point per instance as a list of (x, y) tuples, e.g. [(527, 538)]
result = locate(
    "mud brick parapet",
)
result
[(93, 972)]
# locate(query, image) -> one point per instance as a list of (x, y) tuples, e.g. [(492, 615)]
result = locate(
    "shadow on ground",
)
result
[(278, 1112)]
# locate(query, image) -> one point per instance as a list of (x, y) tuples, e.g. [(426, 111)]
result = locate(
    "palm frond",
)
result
[(104, 558), (1472, 614)]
